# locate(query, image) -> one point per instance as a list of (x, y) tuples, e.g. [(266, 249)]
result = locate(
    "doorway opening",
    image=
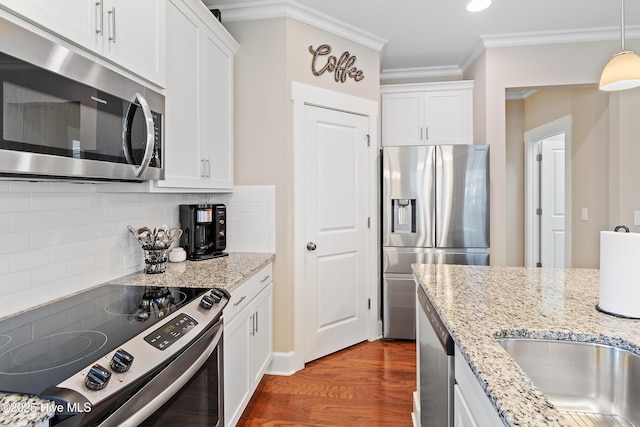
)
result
[(548, 195)]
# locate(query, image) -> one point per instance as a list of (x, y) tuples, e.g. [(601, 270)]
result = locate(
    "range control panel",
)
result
[(171, 331)]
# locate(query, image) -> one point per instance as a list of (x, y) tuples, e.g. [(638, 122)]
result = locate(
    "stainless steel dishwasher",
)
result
[(435, 365)]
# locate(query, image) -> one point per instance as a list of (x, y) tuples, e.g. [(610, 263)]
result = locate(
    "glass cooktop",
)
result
[(42, 347)]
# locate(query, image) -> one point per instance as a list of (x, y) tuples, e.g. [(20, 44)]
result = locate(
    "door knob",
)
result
[(311, 246)]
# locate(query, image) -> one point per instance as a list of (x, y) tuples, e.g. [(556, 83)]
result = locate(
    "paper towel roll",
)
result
[(620, 273)]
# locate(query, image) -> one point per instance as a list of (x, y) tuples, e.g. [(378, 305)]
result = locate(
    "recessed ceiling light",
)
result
[(478, 5)]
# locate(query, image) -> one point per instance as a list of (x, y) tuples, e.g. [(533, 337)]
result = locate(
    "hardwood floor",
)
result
[(369, 384)]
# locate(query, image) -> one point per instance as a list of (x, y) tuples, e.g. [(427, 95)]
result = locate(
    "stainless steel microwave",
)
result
[(67, 115)]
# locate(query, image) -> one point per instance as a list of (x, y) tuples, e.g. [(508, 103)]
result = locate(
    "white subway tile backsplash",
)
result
[(11, 242), (4, 264), (250, 228), (48, 273), (15, 282), (24, 299), (26, 260), (58, 238), (11, 202), (21, 221), (49, 202), (52, 237)]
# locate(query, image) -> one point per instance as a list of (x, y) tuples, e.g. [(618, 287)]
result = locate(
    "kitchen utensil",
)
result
[(156, 245)]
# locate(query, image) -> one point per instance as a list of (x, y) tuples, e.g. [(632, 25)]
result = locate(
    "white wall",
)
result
[(58, 238)]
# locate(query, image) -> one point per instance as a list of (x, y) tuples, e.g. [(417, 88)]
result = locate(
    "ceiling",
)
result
[(440, 36)]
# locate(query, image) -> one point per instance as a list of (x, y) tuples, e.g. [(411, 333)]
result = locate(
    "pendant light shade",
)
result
[(478, 5), (623, 70)]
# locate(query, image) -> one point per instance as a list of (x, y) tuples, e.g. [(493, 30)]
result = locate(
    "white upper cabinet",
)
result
[(133, 36), (127, 33), (199, 100), (427, 113)]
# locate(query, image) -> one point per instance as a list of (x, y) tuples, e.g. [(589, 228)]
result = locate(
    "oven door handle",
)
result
[(167, 391), (127, 134)]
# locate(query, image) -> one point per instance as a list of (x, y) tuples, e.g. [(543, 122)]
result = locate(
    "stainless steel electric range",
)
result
[(121, 355)]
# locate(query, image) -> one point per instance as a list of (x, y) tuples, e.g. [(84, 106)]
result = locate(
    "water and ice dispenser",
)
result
[(403, 215)]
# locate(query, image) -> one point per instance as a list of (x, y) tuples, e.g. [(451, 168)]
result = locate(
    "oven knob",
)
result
[(121, 361), (97, 378), (220, 293), (207, 302)]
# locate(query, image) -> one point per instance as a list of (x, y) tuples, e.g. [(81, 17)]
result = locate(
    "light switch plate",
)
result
[(636, 217), (585, 214)]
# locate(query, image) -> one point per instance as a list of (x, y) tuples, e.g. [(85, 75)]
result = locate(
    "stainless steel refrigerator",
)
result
[(435, 209)]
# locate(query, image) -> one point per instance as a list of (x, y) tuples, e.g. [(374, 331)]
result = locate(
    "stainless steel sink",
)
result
[(592, 384)]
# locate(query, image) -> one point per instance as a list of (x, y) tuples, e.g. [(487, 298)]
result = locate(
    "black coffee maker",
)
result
[(204, 231)]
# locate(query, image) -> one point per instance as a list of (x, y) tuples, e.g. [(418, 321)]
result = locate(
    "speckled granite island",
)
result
[(227, 272), (479, 304)]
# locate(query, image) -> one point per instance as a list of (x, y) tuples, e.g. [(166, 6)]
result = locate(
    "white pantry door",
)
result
[(552, 189), (336, 216)]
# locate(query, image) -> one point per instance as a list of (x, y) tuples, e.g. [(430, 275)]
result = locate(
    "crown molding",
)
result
[(251, 11), (558, 37), (421, 73)]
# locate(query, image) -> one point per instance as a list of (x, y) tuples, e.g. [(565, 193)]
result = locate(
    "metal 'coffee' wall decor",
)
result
[(342, 68)]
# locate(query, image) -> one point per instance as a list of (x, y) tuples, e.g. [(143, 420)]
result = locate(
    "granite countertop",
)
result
[(478, 304), (226, 272)]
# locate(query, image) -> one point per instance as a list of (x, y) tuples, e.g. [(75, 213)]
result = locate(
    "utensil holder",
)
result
[(155, 260)]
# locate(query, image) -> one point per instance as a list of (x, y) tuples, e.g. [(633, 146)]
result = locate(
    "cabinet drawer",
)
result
[(242, 295)]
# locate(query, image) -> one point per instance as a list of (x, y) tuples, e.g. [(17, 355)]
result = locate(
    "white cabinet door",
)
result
[(472, 407), (217, 141), (129, 34), (183, 116), (462, 416), (427, 113), (77, 21), (248, 334), (237, 381), (448, 117), (134, 36), (199, 92), (262, 340), (403, 119)]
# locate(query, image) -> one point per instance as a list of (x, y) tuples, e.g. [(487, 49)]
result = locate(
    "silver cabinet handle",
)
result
[(311, 246), (238, 303), (202, 163), (207, 163), (265, 279), (99, 17), (112, 24), (254, 324)]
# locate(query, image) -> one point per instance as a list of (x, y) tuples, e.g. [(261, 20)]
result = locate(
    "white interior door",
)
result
[(552, 198), (336, 216)]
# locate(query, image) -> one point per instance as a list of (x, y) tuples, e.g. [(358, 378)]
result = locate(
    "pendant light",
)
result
[(623, 70), (478, 5)]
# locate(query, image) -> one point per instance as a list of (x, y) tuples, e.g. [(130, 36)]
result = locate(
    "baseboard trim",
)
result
[(285, 364)]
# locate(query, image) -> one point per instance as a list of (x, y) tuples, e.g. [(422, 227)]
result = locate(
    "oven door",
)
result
[(189, 390)]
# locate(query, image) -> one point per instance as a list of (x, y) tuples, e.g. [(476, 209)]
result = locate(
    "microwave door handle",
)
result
[(148, 118)]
